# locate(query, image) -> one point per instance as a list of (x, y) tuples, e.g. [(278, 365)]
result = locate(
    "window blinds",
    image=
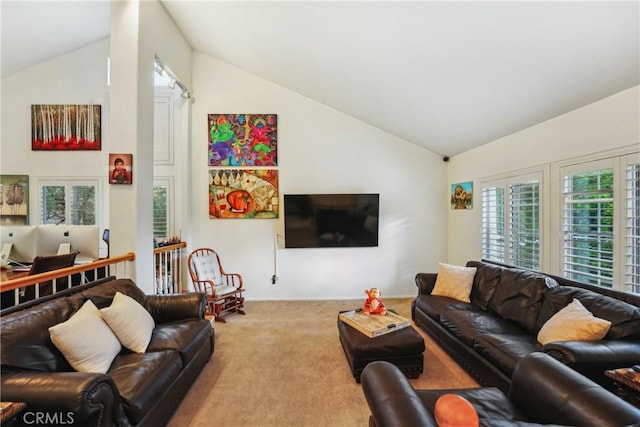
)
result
[(632, 241), (587, 226)]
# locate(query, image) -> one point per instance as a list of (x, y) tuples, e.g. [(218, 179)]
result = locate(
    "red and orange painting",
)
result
[(65, 127), (243, 193)]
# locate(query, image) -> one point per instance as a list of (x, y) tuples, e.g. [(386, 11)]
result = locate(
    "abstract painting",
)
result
[(462, 195), (243, 193), (14, 199), (65, 127), (243, 139)]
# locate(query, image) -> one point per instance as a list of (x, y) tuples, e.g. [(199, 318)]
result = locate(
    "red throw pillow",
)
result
[(452, 410)]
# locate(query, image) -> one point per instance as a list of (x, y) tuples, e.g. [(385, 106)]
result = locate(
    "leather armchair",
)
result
[(543, 391)]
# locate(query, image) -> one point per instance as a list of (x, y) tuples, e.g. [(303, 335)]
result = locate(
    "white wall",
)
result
[(79, 77), (139, 31), (605, 125), (320, 150)]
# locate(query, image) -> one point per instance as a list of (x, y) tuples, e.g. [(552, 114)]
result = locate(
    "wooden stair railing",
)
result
[(77, 270), (167, 265)]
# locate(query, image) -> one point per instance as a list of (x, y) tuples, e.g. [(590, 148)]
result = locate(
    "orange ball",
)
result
[(452, 410)]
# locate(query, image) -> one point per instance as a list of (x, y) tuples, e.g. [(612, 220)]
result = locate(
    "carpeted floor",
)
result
[(282, 365)]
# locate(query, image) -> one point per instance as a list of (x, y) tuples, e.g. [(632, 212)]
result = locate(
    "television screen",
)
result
[(331, 220)]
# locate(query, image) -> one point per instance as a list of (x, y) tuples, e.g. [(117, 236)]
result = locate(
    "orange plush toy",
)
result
[(373, 304)]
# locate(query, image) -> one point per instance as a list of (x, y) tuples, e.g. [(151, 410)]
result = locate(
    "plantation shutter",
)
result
[(52, 204), (493, 222), (82, 204), (632, 232), (69, 202), (524, 232), (160, 217), (587, 225)]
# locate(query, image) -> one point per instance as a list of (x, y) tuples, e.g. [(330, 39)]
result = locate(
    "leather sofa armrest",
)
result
[(171, 308), (549, 392), (75, 398), (595, 355), (425, 283), (391, 397)]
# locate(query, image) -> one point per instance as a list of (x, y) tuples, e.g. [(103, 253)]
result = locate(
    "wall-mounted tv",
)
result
[(331, 220)]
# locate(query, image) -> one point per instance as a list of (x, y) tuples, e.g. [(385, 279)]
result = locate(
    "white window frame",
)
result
[(506, 182), (68, 182), (168, 182), (630, 243), (619, 159)]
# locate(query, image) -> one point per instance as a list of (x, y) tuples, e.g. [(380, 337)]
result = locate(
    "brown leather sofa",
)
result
[(543, 392), (139, 389), (488, 336)]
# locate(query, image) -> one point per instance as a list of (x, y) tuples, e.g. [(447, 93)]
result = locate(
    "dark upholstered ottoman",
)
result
[(403, 348)]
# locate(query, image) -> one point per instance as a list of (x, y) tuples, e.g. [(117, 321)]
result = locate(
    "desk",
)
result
[(9, 274)]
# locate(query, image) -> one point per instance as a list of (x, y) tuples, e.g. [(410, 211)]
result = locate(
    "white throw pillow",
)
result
[(131, 322), (573, 323), (86, 341), (454, 282), (207, 268)]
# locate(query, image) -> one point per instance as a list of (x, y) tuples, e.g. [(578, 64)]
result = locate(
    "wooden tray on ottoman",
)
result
[(403, 347), (374, 325)]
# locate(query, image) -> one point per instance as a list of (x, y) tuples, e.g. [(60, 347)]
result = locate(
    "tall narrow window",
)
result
[(524, 235), (493, 223), (587, 226), (160, 219), (162, 208), (511, 220), (69, 202), (632, 241)]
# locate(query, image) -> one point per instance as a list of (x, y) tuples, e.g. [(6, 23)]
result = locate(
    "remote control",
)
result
[(636, 368)]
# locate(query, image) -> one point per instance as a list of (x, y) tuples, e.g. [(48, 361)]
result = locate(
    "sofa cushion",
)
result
[(518, 296), (143, 378), (573, 323), (207, 268), (454, 282), (186, 337), (102, 296), (467, 324), (121, 315), (25, 339), (86, 341), (624, 317), (504, 350), (433, 305), (485, 283)]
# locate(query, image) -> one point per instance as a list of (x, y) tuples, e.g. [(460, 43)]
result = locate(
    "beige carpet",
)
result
[(282, 365)]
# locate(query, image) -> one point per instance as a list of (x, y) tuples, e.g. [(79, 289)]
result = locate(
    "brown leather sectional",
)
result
[(140, 389), (488, 336)]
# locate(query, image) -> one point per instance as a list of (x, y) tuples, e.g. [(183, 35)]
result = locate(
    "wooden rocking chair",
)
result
[(223, 290)]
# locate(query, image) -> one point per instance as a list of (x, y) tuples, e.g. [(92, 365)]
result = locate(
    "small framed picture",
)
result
[(462, 195), (120, 168)]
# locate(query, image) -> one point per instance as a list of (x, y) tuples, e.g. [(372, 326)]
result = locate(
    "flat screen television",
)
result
[(331, 220)]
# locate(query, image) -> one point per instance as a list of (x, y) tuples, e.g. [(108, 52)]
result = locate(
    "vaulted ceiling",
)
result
[(445, 75)]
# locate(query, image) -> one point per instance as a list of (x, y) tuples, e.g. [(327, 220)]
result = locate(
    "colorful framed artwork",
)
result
[(120, 168), (243, 139), (14, 199), (462, 195), (65, 127), (243, 193)]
